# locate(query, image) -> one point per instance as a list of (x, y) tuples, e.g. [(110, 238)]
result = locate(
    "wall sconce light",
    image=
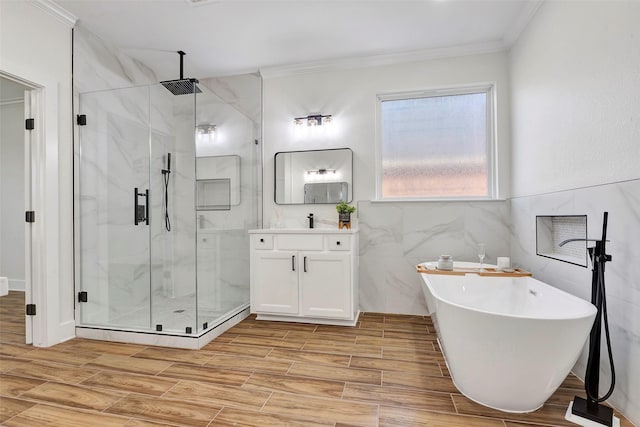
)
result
[(206, 129), (313, 120), (321, 171)]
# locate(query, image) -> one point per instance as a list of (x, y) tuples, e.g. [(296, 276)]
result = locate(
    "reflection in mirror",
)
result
[(314, 177)]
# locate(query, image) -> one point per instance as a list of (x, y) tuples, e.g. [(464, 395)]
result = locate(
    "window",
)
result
[(436, 145)]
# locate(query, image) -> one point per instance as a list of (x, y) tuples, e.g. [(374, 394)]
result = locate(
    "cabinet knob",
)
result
[(338, 243), (261, 240)]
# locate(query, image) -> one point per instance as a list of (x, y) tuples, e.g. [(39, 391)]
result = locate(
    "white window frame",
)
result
[(492, 143)]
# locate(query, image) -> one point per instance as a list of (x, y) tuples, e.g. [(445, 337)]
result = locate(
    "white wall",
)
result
[(576, 97), (12, 194), (576, 150), (36, 46), (393, 236), (350, 96)]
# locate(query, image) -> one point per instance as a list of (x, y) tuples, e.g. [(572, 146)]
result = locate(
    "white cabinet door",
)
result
[(275, 282), (325, 283)]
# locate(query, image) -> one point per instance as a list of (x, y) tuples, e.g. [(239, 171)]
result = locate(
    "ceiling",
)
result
[(227, 37)]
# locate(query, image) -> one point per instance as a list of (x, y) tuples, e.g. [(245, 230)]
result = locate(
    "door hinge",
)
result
[(31, 309), (30, 216), (30, 124), (81, 119), (83, 296)]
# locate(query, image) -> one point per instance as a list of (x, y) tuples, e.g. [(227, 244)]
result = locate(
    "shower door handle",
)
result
[(140, 212), (146, 205)]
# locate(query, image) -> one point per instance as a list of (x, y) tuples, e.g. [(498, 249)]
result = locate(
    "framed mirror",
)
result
[(314, 176)]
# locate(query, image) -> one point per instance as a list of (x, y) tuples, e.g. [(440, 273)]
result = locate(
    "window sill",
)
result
[(469, 199)]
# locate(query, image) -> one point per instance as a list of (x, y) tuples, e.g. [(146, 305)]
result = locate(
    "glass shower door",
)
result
[(113, 193), (172, 228)]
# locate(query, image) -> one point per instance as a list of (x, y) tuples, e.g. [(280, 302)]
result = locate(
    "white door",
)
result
[(325, 283), (274, 285)]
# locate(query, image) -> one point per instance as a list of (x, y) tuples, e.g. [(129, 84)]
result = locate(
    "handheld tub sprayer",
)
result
[(166, 174)]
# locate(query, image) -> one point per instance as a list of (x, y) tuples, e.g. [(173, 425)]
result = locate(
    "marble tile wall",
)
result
[(98, 65), (394, 237), (622, 275)]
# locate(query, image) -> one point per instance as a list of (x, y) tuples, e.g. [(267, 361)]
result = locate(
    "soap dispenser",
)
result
[(310, 220)]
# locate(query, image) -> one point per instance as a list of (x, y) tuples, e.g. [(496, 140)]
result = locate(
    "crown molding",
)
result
[(515, 30), (56, 11), (380, 60)]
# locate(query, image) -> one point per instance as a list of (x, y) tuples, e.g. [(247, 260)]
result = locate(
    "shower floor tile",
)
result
[(387, 371)]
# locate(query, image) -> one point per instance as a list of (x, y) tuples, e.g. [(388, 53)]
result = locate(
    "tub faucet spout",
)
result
[(564, 242), (595, 253)]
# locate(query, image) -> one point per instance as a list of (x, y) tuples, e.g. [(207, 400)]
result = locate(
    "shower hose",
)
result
[(601, 306), (167, 221)]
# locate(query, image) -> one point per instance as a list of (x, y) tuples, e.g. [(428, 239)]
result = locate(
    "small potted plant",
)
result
[(344, 214)]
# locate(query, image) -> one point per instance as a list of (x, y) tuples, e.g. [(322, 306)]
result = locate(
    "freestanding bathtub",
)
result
[(509, 342)]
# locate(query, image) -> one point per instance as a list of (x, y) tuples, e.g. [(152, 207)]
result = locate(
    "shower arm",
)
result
[(182, 54)]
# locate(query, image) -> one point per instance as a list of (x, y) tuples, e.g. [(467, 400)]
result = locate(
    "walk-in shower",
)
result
[(158, 260)]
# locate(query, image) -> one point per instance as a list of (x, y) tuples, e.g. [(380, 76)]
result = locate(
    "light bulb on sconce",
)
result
[(322, 175), (313, 120), (206, 129), (313, 124), (205, 133), (321, 171)]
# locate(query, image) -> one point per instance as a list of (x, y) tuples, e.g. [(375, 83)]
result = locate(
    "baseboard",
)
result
[(17, 285)]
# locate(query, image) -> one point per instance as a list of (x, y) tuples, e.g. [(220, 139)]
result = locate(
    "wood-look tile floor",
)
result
[(387, 371)]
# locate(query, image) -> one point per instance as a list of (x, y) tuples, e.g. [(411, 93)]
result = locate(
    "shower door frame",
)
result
[(124, 217)]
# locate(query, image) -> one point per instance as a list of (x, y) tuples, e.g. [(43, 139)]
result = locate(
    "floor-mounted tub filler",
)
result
[(509, 342)]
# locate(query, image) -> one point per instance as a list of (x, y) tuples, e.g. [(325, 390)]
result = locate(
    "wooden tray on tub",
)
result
[(487, 272)]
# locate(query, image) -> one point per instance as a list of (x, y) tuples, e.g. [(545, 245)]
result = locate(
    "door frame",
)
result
[(34, 166)]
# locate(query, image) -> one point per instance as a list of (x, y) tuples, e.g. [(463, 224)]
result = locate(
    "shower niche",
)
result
[(561, 237), (217, 182), (161, 228)]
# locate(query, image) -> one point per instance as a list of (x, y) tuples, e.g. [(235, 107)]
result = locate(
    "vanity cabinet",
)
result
[(305, 275)]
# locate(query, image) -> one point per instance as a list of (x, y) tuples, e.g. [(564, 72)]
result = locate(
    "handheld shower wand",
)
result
[(166, 173), (589, 411)]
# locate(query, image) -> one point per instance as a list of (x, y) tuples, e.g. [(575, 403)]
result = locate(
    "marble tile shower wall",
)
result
[(622, 275), (98, 65), (394, 237)]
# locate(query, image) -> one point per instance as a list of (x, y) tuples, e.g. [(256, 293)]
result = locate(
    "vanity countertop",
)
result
[(304, 231)]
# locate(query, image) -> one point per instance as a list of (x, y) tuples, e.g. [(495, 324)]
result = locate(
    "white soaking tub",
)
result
[(509, 342)]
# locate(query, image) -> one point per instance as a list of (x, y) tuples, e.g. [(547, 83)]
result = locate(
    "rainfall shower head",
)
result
[(181, 86)]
